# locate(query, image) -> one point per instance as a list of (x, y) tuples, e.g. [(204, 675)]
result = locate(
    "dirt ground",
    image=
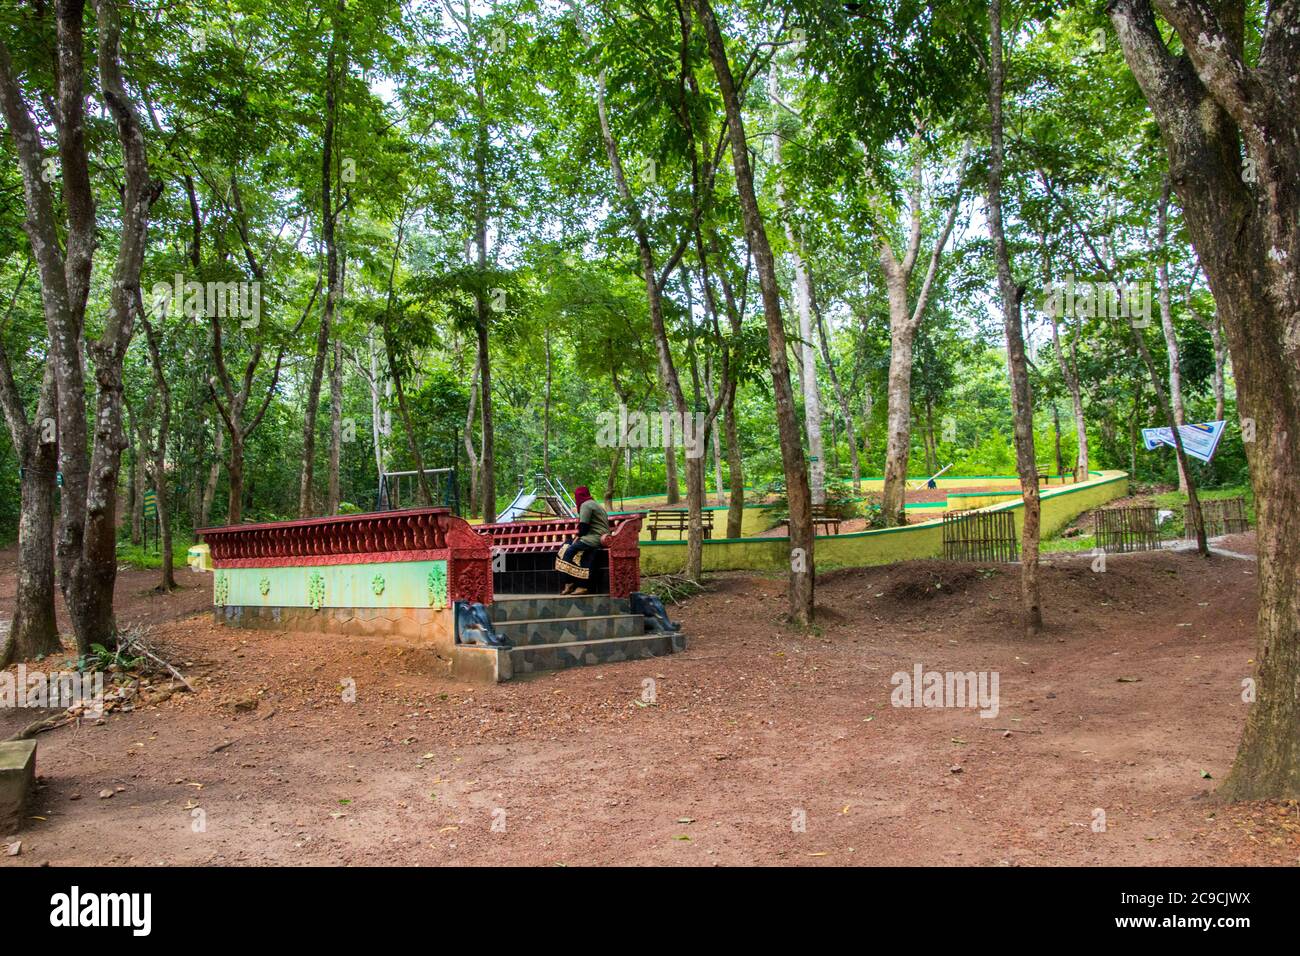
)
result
[(1130, 704)]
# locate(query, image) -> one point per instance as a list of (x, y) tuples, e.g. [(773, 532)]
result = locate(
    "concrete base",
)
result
[(417, 626), (479, 663), (17, 778)]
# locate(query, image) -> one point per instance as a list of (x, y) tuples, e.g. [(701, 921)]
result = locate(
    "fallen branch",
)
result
[(135, 643), (36, 727), (675, 587), (74, 714)]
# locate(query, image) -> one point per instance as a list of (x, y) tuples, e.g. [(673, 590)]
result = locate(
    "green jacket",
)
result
[(592, 522)]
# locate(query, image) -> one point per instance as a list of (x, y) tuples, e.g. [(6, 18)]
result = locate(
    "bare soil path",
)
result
[(716, 756)]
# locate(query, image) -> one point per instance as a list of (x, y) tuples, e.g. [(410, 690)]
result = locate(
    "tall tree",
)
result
[(33, 632), (1011, 295), (335, 70), (158, 460), (1164, 300), (794, 464), (803, 297), (655, 282), (905, 317), (1229, 125), (87, 546)]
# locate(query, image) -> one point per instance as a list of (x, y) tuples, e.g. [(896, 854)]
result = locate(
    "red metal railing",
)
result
[(532, 537)]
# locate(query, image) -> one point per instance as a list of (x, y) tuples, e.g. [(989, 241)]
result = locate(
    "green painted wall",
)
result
[(410, 584), (972, 501), (1060, 505), (868, 484)]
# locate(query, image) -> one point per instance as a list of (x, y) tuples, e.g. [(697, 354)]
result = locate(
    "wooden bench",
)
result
[(676, 519), (1045, 476), (523, 555), (823, 517)]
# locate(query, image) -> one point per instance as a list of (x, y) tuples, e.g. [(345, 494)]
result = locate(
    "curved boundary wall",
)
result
[(1060, 504)]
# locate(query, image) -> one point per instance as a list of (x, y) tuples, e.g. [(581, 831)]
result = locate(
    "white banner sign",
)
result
[(1199, 441)]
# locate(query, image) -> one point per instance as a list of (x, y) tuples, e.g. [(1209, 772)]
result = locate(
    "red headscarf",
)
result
[(581, 494)]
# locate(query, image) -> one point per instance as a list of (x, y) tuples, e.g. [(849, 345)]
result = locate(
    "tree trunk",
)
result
[(802, 557), (1056, 432), (236, 399), (214, 474), (735, 469), (931, 451), (1194, 516), (904, 320), (33, 633), (412, 440), (546, 409), (139, 482), (667, 370), (735, 464), (1133, 428), (1069, 367), (672, 485), (1011, 295), (159, 463), (336, 428), (168, 582), (611, 478), (715, 438), (235, 479), (381, 425), (1167, 318), (487, 429), (487, 466), (1206, 103), (1069, 372), (812, 399), (898, 447), (846, 409), (306, 504), (1220, 351), (475, 479)]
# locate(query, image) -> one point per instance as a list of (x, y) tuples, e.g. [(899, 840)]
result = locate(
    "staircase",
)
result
[(552, 632)]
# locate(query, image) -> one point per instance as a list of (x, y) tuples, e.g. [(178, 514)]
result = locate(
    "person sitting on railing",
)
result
[(575, 559)]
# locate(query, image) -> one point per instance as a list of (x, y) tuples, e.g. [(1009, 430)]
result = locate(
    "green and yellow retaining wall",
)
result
[(757, 519), (924, 539)]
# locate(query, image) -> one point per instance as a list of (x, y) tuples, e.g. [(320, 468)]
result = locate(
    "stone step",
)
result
[(17, 778), (561, 630), (540, 607), (553, 657)]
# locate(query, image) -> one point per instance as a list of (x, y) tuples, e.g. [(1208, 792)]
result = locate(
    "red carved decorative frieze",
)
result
[(624, 557), (471, 562), (320, 560), (422, 534), (415, 535)]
